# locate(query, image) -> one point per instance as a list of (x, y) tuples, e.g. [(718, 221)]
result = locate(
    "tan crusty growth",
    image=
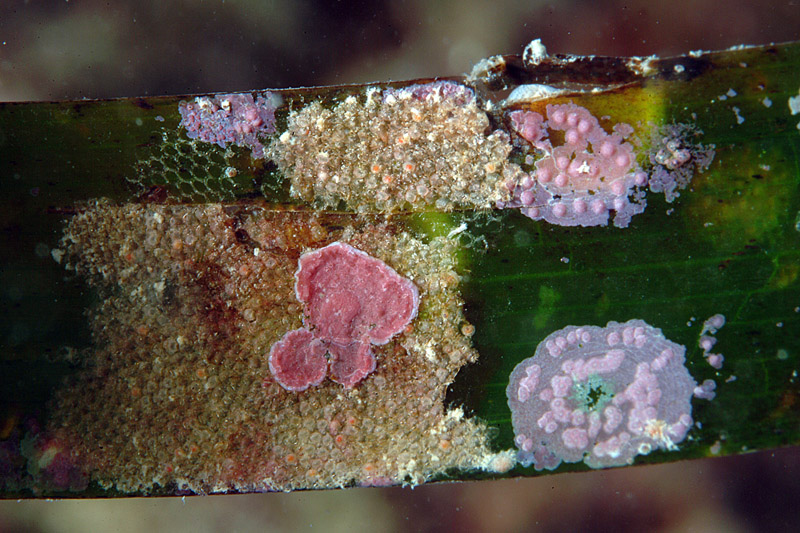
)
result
[(425, 145), (177, 390)]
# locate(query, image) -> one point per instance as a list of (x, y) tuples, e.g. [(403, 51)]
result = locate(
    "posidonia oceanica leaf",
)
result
[(556, 263)]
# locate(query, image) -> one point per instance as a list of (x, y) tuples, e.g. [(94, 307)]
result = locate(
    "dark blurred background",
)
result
[(57, 49)]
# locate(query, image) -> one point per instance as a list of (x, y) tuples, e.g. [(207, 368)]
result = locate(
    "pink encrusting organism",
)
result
[(578, 182), (351, 301), (713, 324), (351, 296), (601, 395), (298, 360), (230, 118)]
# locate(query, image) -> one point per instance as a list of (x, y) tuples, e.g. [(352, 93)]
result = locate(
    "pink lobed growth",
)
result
[(298, 360), (349, 296), (581, 181), (713, 323), (230, 118), (706, 343), (351, 301), (601, 395), (352, 363), (715, 360)]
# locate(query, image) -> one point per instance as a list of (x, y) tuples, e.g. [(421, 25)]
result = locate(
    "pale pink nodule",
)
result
[(590, 166)]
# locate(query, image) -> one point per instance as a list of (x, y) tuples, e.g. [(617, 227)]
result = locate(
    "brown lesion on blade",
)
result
[(494, 77)]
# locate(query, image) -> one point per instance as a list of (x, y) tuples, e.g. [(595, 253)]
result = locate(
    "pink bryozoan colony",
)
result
[(298, 360), (230, 118), (351, 300), (579, 182), (601, 395)]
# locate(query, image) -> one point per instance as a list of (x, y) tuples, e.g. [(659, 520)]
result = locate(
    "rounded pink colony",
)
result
[(706, 390), (530, 126), (713, 324), (707, 342), (581, 181), (350, 296), (601, 395), (352, 363), (352, 300), (297, 361)]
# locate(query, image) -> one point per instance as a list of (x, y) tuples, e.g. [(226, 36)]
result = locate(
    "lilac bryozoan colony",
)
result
[(580, 181), (707, 389), (707, 340), (601, 395), (230, 118)]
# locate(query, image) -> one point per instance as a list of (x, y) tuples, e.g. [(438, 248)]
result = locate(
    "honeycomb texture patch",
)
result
[(189, 170)]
